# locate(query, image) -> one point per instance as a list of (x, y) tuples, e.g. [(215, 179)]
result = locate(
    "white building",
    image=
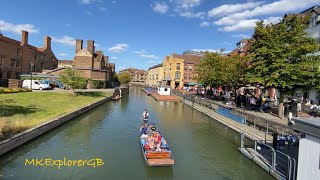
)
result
[(309, 148), (164, 90)]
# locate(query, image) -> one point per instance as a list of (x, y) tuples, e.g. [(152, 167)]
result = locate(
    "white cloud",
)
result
[(63, 54), (17, 28), (118, 48), (66, 40), (242, 36), (204, 50), (193, 15), (186, 4), (121, 67), (278, 7), (149, 56), (140, 52), (160, 7), (242, 25), (97, 45), (232, 8), (114, 57), (204, 24)]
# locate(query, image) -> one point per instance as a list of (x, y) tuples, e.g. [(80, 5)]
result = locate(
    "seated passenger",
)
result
[(158, 140), (144, 135), (151, 141), (153, 127)]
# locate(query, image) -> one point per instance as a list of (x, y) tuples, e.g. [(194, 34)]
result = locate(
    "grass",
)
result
[(22, 111)]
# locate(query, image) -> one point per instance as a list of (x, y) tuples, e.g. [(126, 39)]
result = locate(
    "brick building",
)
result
[(137, 75), (93, 64), (243, 47), (16, 56)]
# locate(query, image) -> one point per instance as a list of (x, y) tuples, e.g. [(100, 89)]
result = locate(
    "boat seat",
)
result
[(158, 155)]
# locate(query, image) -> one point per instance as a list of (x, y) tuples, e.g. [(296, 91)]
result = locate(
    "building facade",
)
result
[(243, 47), (155, 75), (174, 73), (93, 64), (136, 75), (16, 57)]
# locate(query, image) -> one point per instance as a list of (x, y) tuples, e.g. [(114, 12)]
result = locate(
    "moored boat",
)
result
[(116, 98), (160, 157)]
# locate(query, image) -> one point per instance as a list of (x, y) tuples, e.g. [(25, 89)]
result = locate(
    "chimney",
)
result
[(90, 46), (47, 42), (24, 38), (79, 43)]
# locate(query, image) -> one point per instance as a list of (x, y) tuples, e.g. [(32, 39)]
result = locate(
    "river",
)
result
[(203, 148)]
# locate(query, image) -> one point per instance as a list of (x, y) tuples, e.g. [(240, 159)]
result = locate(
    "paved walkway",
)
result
[(248, 131)]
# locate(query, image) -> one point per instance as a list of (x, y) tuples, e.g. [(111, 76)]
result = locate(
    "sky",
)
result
[(140, 33)]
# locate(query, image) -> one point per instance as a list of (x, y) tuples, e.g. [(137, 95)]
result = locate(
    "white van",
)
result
[(35, 85)]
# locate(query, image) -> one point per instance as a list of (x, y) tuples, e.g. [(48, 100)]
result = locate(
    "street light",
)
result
[(31, 68)]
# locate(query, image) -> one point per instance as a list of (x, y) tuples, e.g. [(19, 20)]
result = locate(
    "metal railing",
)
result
[(277, 161)]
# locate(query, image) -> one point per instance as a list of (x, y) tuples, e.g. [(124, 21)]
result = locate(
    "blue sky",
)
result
[(139, 33)]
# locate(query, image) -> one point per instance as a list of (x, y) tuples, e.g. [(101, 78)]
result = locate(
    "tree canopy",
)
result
[(215, 69), (278, 50), (124, 78), (73, 78)]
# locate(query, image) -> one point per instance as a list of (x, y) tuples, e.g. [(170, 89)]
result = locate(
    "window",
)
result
[(13, 63), (178, 75), (17, 75), (34, 58), (185, 67), (157, 76), (165, 89), (17, 63), (84, 61), (42, 66), (178, 66), (1, 60), (313, 21), (190, 67), (185, 76), (8, 74), (170, 67)]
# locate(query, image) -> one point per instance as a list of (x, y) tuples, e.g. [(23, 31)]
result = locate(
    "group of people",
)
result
[(151, 136)]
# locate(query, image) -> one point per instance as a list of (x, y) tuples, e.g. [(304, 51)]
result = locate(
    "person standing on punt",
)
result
[(145, 115)]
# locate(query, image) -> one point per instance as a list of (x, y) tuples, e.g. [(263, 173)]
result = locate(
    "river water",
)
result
[(203, 148)]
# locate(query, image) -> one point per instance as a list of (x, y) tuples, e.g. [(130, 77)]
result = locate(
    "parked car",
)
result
[(36, 84)]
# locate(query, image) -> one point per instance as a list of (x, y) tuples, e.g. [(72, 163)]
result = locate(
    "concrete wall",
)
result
[(309, 158), (25, 136)]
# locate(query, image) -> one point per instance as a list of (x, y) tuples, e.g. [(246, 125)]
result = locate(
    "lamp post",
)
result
[(31, 68)]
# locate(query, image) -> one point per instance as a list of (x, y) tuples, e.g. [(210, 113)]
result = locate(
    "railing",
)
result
[(277, 161)]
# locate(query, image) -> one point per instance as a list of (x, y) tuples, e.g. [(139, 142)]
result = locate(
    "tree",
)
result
[(115, 78), (74, 79), (215, 69), (278, 50), (124, 78)]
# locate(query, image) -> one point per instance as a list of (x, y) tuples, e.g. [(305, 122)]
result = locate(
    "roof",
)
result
[(83, 52), (65, 62), (156, 66), (188, 58), (307, 125)]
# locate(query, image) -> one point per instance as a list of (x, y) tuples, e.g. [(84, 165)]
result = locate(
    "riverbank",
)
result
[(21, 111)]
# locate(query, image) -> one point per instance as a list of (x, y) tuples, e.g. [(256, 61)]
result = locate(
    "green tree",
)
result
[(278, 50), (124, 78), (115, 78), (74, 79)]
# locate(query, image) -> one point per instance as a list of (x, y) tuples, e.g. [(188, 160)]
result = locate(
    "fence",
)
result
[(279, 162)]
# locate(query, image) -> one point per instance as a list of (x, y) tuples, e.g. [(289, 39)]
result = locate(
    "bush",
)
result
[(97, 84), (14, 90)]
